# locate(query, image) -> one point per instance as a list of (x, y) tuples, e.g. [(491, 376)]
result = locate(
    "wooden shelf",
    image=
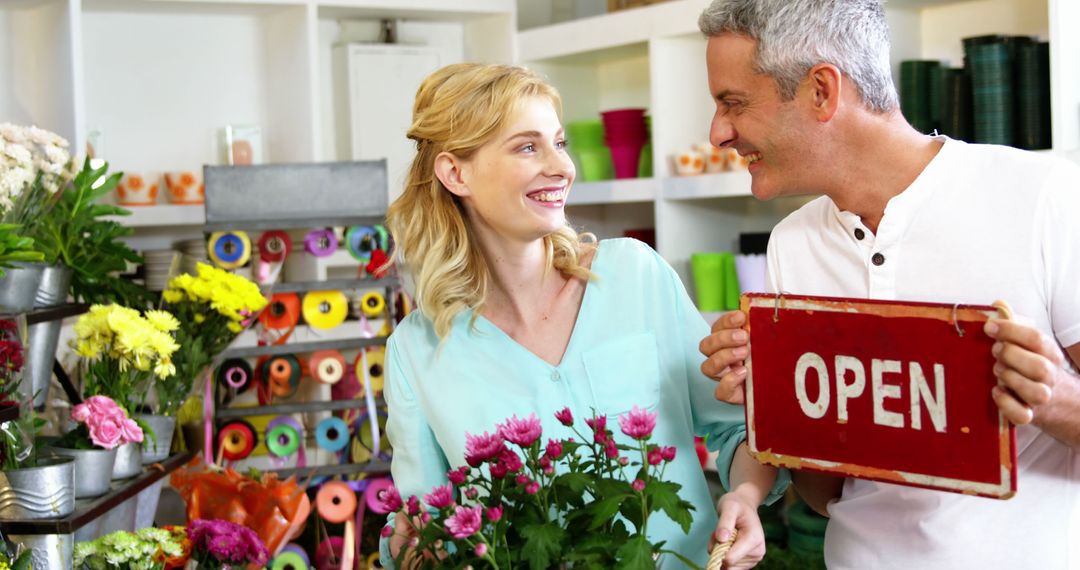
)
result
[(54, 313), (721, 185), (87, 510), (162, 215), (624, 191)]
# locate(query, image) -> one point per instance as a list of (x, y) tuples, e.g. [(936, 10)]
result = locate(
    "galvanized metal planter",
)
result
[(48, 551), (45, 491), (163, 427), (43, 337), (19, 285), (93, 469), (128, 461)]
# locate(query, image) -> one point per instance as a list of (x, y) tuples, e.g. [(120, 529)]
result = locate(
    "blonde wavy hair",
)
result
[(458, 109)]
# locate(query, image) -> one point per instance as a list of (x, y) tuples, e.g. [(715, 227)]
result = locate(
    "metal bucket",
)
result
[(41, 342), (47, 551), (19, 286), (163, 427), (45, 491), (128, 461), (93, 469)]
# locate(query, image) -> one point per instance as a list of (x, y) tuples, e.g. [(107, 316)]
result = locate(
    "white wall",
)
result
[(942, 25), (159, 81)]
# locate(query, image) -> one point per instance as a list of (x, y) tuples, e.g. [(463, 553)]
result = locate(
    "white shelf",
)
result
[(625, 191), (163, 215), (721, 185), (610, 35), (416, 9)]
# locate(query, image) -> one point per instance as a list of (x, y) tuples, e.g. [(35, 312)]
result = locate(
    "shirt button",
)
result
[(859, 234), (878, 259), (555, 376)]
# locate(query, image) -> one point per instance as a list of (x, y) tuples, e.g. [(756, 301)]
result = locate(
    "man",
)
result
[(803, 89)]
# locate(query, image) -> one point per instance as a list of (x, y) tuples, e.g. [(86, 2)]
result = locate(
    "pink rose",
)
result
[(101, 405), (131, 431), (80, 413), (106, 433)]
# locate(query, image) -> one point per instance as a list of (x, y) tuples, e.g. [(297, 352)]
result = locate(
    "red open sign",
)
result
[(889, 391)]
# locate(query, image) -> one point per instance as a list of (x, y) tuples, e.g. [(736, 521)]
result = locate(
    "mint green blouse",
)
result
[(635, 342)]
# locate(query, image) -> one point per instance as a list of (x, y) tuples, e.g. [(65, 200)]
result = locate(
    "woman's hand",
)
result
[(739, 512)]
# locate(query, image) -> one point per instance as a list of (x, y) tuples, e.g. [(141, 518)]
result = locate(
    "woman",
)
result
[(518, 314)]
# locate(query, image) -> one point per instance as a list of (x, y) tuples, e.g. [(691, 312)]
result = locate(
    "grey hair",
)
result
[(795, 35)]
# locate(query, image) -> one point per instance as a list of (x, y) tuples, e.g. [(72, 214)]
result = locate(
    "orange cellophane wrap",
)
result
[(274, 509)]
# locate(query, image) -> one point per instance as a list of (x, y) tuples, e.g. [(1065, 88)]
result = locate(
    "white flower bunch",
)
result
[(29, 154)]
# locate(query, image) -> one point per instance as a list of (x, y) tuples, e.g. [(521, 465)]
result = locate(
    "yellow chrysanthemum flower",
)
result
[(162, 320)]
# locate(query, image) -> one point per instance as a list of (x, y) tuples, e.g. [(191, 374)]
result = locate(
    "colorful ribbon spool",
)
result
[(229, 250), (327, 366), (274, 246), (283, 437), (325, 309), (372, 304), (320, 243), (283, 311), (289, 561), (298, 550), (375, 495), (235, 373), (336, 503), (376, 357), (362, 240), (236, 440), (363, 441), (282, 374), (329, 555), (332, 434)]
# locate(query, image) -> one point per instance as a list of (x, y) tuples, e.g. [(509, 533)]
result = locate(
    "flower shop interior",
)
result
[(196, 301)]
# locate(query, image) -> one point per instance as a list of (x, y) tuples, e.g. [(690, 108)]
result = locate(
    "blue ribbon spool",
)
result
[(362, 240), (332, 434), (229, 250)]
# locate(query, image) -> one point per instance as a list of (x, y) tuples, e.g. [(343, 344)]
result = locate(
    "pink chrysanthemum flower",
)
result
[(637, 423), (480, 448), (523, 432), (565, 417), (441, 496), (464, 523)]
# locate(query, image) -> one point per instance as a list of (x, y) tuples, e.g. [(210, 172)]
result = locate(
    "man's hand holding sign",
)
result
[(910, 393)]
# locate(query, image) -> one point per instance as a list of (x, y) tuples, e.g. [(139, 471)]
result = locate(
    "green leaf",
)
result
[(605, 509), (664, 495), (573, 482), (636, 554), (542, 544)]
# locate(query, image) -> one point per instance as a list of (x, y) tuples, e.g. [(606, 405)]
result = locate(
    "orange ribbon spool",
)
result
[(335, 502), (283, 312)]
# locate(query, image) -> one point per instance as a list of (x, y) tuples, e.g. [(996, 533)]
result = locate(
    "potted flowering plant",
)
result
[(523, 503), (147, 549), (221, 545), (212, 307), (16, 558), (101, 427), (125, 352)]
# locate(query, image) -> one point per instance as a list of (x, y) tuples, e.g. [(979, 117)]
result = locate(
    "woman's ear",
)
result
[(448, 168)]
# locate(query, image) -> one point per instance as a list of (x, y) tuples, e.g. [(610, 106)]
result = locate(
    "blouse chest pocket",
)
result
[(623, 373)]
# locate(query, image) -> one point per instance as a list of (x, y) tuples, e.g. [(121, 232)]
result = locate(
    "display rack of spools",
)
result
[(301, 393)]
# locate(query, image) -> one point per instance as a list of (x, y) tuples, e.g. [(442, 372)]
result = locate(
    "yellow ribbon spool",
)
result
[(325, 309), (229, 250), (376, 357), (373, 561), (372, 304)]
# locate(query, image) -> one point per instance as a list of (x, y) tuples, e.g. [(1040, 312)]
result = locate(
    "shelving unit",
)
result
[(654, 57)]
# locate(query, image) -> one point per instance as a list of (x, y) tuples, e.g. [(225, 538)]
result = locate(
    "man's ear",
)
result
[(826, 84), (449, 170)]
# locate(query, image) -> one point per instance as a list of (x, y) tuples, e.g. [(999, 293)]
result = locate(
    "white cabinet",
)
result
[(374, 109), (654, 57)]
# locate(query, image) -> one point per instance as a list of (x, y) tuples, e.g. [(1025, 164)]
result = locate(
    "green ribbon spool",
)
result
[(283, 440), (289, 561)]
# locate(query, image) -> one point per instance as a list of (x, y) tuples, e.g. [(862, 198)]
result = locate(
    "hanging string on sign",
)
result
[(229, 250), (321, 242), (325, 309)]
